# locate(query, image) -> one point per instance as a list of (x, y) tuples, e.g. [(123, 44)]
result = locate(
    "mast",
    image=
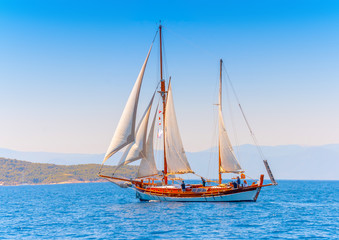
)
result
[(220, 177), (220, 90), (163, 95)]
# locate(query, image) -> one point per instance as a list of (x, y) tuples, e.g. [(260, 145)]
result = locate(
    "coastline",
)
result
[(55, 183), (18, 173)]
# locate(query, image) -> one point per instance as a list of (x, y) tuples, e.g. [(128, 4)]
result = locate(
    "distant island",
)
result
[(15, 172)]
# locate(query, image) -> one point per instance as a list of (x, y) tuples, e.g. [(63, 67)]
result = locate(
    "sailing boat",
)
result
[(151, 184)]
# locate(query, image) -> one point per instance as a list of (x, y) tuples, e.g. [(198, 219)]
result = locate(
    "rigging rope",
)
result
[(244, 116), (164, 59), (156, 33), (232, 121)]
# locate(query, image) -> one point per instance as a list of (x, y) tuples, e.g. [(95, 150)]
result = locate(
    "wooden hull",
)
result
[(237, 195), (194, 192)]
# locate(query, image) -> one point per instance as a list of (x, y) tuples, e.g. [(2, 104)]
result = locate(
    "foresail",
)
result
[(229, 162), (175, 153), (147, 165), (137, 148), (125, 132)]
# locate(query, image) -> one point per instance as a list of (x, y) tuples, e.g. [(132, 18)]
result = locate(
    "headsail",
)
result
[(229, 162), (147, 166), (175, 153), (137, 149), (125, 132)]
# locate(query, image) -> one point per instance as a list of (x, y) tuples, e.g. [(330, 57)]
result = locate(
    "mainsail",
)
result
[(125, 132), (147, 165), (137, 149), (229, 162), (175, 153)]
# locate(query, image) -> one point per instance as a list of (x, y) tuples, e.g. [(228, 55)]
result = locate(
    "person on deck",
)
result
[(245, 183), (238, 181), (235, 184), (183, 186), (203, 181)]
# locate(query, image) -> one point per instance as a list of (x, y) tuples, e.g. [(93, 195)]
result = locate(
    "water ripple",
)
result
[(293, 210)]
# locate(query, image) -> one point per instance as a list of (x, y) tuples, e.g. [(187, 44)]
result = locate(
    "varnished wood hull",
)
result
[(238, 195)]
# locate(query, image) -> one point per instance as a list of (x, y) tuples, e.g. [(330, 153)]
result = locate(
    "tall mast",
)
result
[(220, 91), (163, 95)]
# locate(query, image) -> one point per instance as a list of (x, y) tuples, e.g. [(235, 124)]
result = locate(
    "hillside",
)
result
[(16, 172), (286, 161)]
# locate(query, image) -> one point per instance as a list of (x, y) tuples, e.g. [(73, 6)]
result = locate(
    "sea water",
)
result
[(291, 210)]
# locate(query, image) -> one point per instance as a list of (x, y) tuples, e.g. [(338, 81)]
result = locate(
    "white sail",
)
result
[(125, 132), (137, 149), (147, 165), (229, 162), (175, 153)]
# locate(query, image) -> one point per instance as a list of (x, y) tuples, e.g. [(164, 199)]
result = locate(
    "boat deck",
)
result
[(196, 190)]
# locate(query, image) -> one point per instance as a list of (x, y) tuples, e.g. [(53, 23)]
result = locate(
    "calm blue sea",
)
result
[(292, 210)]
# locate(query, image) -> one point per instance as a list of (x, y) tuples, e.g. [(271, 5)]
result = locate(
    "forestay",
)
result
[(125, 132), (175, 153)]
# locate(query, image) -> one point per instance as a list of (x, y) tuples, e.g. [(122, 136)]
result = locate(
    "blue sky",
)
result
[(67, 67)]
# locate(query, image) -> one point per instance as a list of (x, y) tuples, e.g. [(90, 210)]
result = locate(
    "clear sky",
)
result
[(67, 68)]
